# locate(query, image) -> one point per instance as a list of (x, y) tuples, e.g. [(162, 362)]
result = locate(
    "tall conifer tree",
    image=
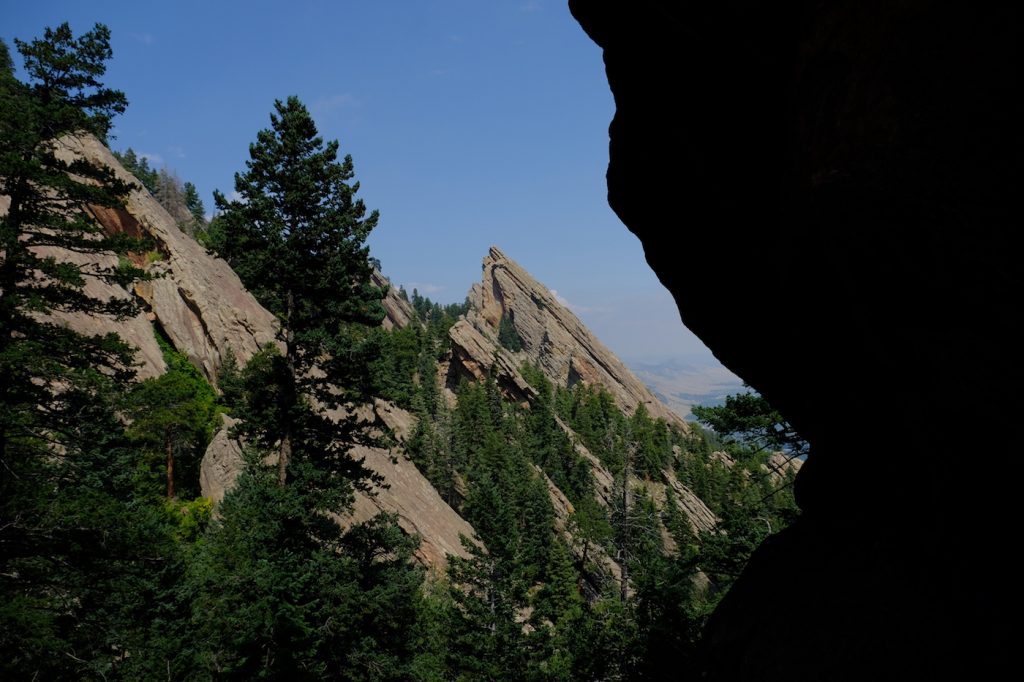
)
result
[(73, 536), (46, 368), (296, 236)]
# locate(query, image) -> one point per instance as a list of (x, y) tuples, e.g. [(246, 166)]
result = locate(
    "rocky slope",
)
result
[(553, 338), (555, 341), (198, 301), (398, 311), (203, 308), (407, 493)]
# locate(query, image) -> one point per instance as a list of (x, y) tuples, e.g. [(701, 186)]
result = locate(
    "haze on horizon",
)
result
[(470, 124)]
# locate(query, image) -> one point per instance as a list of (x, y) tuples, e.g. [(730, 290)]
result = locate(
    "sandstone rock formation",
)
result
[(697, 513), (867, 155), (418, 505), (475, 354), (203, 308), (136, 330), (399, 311), (201, 305), (780, 465), (567, 352), (406, 493), (197, 299), (222, 463), (553, 338)]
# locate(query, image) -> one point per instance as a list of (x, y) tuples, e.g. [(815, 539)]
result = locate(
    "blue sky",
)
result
[(470, 122)]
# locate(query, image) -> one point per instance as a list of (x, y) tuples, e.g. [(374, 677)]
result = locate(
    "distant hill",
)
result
[(683, 383)]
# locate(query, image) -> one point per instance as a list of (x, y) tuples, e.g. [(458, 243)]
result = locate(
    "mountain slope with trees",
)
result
[(572, 526)]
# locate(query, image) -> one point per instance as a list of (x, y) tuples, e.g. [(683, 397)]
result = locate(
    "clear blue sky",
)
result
[(471, 123)]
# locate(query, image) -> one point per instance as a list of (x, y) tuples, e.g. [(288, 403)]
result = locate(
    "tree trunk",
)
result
[(289, 397), (583, 566), (626, 523), (169, 447)]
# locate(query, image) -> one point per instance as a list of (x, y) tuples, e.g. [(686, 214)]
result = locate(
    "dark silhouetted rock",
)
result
[(851, 171)]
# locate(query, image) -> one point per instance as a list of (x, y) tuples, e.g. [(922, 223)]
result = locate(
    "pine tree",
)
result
[(486, 639), (194, 204), (296, 237), (43, 363), (140, 168), (278, 592), (281, 589), (79, 549), (173, 414), (47, 217)]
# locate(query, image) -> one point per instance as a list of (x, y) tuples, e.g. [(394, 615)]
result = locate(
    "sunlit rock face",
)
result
[(552, 338), (831, 191), (398, 312), (556, 342), (195, 297)]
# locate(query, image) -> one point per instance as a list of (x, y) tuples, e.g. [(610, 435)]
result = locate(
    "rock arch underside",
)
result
[(829, 191)]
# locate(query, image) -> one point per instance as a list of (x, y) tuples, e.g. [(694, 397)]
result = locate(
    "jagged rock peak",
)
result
[(399, 311), (552, 337)]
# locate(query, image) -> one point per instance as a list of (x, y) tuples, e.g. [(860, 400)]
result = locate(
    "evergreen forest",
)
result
[(114, 566)]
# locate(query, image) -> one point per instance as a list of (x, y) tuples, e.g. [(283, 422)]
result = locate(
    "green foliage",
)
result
[(559, 600), (548, 445), (594, 417), (140, 168), (82, 551), (194, 204), (278, 589), (653, 443), (403, 361), (508, 337), (189, 518), (174, 416), (87, 554), (434, 314), (400, 355), (747, 420), (279, 592), (230, 381), (112, 569), (296, 238), (751, 501), (6, 62), (48, 210), (296, 233), (320, 465)]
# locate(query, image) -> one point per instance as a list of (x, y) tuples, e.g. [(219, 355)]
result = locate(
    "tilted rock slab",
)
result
[(553, 337), (406, 492), (135, 330), (197, 298), (701, 518), (420, 509), (476, 356), (222, 463), (399, 312)]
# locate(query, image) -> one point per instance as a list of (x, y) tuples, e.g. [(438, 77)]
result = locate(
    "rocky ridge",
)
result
[(398, 312), (196, 298), (555, 341), (201, 306), (553, 338)]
